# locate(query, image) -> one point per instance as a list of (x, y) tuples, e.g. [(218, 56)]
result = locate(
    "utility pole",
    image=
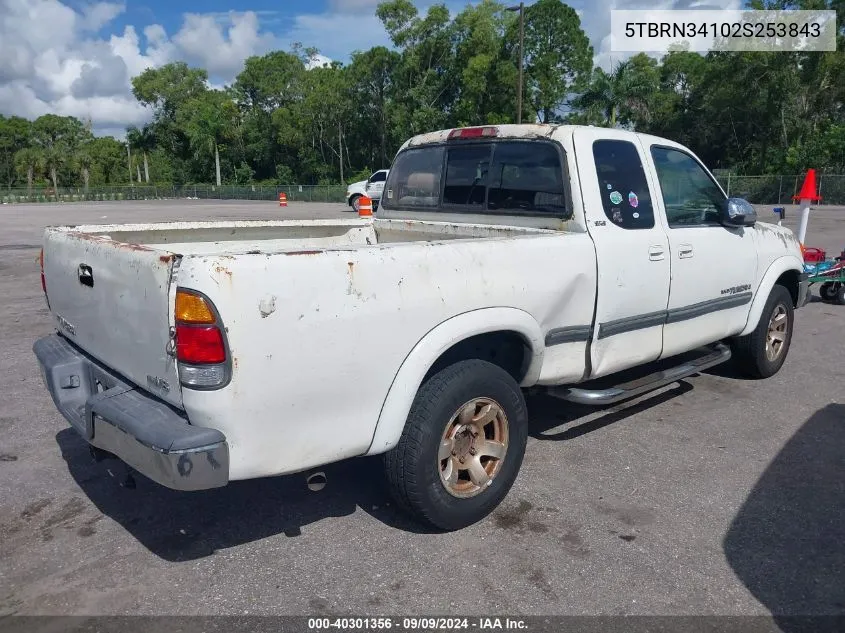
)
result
[(521, 9)]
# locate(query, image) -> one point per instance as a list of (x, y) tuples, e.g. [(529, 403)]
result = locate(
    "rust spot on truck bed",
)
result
[(222, 269), (165, 259)]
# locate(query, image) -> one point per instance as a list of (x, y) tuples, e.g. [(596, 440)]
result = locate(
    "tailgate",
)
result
[(113, 300)]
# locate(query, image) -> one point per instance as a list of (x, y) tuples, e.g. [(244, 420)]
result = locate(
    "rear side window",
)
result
[(505, 177), (622, 184), (414, 179)]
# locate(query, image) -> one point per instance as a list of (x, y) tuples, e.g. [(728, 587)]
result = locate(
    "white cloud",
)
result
[(596, 21), (337, 35), (55, 61), (96, 16), (221, 47)]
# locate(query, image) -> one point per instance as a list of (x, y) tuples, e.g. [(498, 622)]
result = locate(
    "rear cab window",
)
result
[(504, 177)]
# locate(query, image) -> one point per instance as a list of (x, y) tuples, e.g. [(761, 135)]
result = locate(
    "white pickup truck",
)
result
[(505, 258), (372, 187)]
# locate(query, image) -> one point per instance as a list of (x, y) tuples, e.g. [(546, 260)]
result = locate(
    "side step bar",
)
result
[(624, 391)]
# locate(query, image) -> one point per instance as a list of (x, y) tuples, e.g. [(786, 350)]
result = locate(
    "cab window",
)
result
[(622, 184), (498, 177), (690, 195), (414, 179), (379, 176)]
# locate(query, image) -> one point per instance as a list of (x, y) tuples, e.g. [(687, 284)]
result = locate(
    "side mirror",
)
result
[(738, 212)]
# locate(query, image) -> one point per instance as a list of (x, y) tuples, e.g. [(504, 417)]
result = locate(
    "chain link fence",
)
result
[(777, 189), (294, 193), (780, 189)]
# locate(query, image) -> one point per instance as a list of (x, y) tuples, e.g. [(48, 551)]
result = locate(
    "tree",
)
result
[(371, 76), (485, 73), (142, 140), (15, 135), (59, 138), (625, 91), (83, 161), (108, 160), (269, 82), (168, 87), (424, 79), (558, 56), (29, 162), (208, 120)]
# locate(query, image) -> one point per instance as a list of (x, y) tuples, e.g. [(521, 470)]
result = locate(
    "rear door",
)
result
[(631, 246), (113, 300)]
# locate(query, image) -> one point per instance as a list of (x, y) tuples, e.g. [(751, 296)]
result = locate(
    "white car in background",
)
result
[(371, 187)]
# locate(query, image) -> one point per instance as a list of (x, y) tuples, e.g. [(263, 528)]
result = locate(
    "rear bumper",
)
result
[(803, 290), (111, 414)]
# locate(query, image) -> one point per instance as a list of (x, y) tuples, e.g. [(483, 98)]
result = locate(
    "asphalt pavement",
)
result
[(714, 496)]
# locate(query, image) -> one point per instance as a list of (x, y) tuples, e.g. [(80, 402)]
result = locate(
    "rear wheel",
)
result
[(839, 295), (462, 445), (355, 202), (762, 353)]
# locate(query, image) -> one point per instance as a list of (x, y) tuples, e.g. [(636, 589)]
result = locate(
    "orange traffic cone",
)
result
[(365, 207), (807, 195), (283, 199)]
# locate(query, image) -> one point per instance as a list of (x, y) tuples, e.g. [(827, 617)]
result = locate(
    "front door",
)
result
[(632, 250), (375, 185), (713, 266)]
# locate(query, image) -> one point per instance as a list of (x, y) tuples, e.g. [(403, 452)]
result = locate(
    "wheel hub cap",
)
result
[(776, 334), (473, 446)]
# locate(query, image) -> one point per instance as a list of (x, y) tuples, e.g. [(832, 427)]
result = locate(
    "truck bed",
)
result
[(245, 237)]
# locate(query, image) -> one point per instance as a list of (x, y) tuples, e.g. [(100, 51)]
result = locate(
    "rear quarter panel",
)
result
[(317, 338)]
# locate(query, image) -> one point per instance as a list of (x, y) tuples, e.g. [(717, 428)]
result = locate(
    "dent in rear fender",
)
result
[(408, 379), (764, 289)]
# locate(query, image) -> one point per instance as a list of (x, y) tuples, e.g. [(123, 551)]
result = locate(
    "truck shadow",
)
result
[(180, 526), (787, 541)]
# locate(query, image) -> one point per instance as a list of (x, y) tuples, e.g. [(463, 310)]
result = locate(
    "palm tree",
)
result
[(208, 120), (611, 93), (142, 140), (54, 158), (84, 161), (29, 161)]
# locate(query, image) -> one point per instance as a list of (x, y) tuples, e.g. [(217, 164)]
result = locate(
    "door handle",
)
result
[(86, 275), (684, 251), (655, 253)]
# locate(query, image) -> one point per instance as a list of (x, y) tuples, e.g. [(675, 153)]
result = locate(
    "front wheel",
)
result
[(355, 203), (762, 353), (462, 445)]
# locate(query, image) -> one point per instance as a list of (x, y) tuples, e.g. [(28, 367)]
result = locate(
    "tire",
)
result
[(354, 202), (755, 354), (448, 408), (827, 291), (839, 294)]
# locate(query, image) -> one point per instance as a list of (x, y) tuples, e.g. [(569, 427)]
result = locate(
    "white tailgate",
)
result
[(123, 318)]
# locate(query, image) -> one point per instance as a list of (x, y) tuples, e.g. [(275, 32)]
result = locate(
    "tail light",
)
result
[(201, 350)]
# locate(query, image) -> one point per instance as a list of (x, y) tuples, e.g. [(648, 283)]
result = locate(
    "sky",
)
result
[(76, 57)]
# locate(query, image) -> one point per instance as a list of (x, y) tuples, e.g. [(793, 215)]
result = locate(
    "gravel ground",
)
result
[(716, 495)]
